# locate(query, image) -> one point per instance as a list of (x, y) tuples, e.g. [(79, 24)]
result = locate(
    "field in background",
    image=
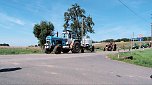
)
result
[(20, 50), (101, 46), (122, 45), (140, 57)]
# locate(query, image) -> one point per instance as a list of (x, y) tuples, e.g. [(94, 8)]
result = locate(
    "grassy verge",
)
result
[(140, 57), (24, 50)]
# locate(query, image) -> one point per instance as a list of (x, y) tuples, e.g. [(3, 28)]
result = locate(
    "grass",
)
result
[(140, 57), (19, 50)]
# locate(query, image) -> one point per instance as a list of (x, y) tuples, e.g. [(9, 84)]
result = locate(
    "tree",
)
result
[(42, 30), (74, 17), (108, 40)]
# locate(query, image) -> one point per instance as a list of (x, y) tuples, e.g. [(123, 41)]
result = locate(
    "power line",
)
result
[(132, 11)]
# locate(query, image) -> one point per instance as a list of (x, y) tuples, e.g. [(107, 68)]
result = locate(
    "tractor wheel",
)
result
[(65, 50), (76, 47), (92, 49), (57, 49), (82, 50), (47, 51)]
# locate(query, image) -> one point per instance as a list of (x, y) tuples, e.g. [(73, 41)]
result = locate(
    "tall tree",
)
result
[(74, 17), (42, 30)]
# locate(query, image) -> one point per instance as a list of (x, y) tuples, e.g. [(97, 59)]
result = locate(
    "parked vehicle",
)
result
[(135, 46), (145, 45)]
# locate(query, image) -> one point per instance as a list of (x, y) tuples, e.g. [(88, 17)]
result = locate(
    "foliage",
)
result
[(140, 57), (4, 44), (42, 30), (124, 39), (146, 38), (117, 40), (108, 40), (74, 17)]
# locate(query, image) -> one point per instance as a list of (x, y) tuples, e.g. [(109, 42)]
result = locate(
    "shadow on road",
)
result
[(10, 69)]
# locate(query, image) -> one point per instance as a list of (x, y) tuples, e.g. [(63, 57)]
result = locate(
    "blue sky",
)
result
[(111, 18)]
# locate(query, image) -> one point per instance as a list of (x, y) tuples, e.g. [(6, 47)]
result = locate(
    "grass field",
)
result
[(122, 45), (140, 57), (19, 50), (101, 46)]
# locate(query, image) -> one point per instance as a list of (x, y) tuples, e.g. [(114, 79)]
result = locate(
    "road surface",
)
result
[(82, 68)]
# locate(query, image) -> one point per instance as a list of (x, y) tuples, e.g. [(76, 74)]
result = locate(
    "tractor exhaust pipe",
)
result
[(57, 34)]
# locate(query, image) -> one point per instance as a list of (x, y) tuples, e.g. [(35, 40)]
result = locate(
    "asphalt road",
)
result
[(79, 69)]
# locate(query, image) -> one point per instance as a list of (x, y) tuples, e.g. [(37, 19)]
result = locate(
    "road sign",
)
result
[(140, 35), (140, 39)]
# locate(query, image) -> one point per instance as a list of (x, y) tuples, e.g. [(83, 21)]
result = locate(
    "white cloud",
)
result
[(16, 21), (9, 19)]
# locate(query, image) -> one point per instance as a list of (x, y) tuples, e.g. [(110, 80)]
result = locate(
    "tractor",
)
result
[(111, 47), (66, 42)]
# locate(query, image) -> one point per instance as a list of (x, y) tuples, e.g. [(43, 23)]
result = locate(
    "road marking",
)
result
[(48, 72), (131, 76), (135, 76), (54, 73), (51, 66), (15, 63), (84, 74)]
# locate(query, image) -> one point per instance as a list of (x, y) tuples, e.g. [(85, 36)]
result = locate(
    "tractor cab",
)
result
[(67, 36)]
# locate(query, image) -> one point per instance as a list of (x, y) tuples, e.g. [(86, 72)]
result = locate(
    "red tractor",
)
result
[(110, 47)]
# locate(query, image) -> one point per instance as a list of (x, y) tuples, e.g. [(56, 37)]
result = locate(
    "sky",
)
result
[(112, 19)]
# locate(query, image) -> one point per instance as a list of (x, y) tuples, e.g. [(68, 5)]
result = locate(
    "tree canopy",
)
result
[(74, 17), (42, 30)]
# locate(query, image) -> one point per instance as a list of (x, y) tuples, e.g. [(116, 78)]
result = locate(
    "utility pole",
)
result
[(133, 40), (151, 32)]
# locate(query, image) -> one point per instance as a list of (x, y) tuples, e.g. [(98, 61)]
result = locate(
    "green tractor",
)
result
[(145, 45)]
